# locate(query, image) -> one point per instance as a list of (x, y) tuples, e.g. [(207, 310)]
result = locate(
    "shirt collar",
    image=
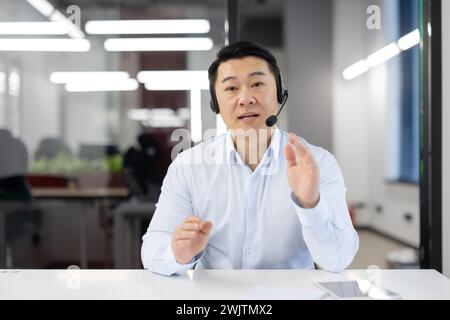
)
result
[(272, 151)]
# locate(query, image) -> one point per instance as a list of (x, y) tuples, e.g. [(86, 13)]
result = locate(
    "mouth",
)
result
[(248, 115)]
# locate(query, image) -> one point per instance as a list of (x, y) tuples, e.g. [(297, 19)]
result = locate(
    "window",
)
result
[(403, 146)]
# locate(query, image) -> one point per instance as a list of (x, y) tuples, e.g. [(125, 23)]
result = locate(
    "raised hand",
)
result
[(190, 238), (302, 172)]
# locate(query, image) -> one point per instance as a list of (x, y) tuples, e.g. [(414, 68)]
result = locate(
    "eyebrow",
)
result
[(254, 73)]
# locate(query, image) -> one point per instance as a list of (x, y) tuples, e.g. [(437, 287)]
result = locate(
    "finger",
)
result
[(187, 235), (191, 226), (290, 155), (294, 141), (192, 218), (305, 154), (292, 138), (300, 148), (206, 227), (184, 242)]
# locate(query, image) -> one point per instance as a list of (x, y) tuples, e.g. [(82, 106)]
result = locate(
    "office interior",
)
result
[(88, 112)]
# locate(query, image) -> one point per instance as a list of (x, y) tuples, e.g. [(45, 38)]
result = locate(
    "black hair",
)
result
[(242, 49), (239, 50)]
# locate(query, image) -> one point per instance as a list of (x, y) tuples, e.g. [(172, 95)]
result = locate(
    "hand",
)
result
[(190, 238), (302, 172)]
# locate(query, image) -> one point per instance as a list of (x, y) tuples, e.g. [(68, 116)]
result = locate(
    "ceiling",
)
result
[(260, 20), (250, 7)]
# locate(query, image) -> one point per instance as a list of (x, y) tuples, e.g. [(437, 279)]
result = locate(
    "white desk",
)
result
[(208, 284)]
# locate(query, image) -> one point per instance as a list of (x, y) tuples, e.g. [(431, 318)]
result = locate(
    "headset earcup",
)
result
[(280, 89), (213, 106), (213, 103)]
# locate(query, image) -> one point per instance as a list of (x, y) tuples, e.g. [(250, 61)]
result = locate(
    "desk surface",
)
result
[(208, 284), (80, 193)]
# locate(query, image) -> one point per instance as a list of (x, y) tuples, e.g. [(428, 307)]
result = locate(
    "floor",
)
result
[(373, 249)]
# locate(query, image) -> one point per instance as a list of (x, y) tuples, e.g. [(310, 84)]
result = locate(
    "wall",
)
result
[(350, 114), (307, 43)]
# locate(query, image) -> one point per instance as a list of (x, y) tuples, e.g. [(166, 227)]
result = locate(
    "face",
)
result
[(246, 92)]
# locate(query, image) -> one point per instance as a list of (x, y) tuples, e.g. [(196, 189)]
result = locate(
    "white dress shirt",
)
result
[(257, 221)]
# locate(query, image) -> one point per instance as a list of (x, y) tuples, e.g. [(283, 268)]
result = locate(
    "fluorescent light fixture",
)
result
[(43, 6), (196, 116), (96, 86), (83, 76), (391, 50), (409, 40), (138, 114), (73, 30), (173, 26), (93, 81), (355, 70), (33, 28), (158, 117), (384, 54), (142, 114), (184, 113), (45, 44), (174, 80), (158, 44), (172, 123), (164, 123), (47, 9)]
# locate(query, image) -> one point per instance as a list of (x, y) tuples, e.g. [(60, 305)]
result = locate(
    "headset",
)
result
[(282, 95)]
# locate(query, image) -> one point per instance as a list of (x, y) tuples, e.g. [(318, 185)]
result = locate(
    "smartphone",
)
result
[(357, 289)]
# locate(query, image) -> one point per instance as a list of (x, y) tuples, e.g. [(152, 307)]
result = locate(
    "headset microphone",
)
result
[(270, 121)]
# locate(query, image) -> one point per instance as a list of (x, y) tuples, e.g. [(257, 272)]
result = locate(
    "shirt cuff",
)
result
[(178, 268), (311, 217)]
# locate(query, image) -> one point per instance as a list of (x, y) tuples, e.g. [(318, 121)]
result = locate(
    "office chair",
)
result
[(18, 213), (140, 169)]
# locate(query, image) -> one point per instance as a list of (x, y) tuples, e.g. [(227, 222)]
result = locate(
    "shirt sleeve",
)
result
[(173, 207), (327, 228)]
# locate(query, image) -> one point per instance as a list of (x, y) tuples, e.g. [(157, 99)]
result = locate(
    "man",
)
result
[(269, 201)]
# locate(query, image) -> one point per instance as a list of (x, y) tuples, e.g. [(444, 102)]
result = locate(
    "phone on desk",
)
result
[(357, 289)]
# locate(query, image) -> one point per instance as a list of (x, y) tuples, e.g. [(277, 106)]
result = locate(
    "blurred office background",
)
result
[(86, 122)]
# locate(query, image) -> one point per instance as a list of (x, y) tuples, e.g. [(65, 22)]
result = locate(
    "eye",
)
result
[(258, 84), (230, 89)]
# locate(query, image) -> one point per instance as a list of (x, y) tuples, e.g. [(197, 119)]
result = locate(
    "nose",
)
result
[(246, 98)]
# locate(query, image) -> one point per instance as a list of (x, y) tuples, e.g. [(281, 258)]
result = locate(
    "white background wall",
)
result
[(446, 137), (350, 106)]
